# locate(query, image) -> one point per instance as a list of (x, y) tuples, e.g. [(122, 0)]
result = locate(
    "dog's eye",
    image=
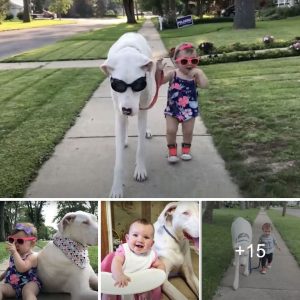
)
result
[(187, 213), (86, 222)]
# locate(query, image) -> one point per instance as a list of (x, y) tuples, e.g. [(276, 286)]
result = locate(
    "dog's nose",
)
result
[(126, 111)]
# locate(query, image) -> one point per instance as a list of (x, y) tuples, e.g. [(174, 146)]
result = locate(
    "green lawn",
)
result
[(288, 228), (3, 252), (17, 24), (37, 107), (252, 110), (91, 45), (217, 250), (223, 34)]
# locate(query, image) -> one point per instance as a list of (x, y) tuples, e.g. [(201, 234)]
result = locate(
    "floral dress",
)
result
[(182, 99), (17, 280)]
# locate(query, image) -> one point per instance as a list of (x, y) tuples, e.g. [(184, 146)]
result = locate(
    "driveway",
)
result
[(14, 42), (290, 211)]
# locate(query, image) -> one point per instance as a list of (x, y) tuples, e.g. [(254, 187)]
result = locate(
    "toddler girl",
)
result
[(20, 278), (182, 105), (135, 255), (269, 241)]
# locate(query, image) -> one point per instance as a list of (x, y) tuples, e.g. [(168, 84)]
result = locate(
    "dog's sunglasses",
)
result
[(188, 60), (20, 241), (120, 86)]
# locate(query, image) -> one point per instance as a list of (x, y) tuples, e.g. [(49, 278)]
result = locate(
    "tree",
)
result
[(60, 6), (27, 11), (129, 11), (101, 8), (244, 14), (34, 212), (208, 213), (284, 208), (64, 207), (3, 9), (2, 231)]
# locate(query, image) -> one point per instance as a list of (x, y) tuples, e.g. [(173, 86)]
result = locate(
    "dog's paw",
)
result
[(246, 272), (235, 285), (148, 134), (116, 192), (140, 173)]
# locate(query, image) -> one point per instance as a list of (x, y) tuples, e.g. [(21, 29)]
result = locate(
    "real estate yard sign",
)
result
[(184, 21)]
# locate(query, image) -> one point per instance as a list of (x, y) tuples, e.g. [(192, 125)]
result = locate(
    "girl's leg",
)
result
[(187, 131), (143, 296), (172, 127), (30, 291), (6, 291)]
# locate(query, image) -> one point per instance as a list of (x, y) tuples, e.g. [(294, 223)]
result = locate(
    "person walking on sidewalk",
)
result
[(269, 241), (20, 278), (182, 105)]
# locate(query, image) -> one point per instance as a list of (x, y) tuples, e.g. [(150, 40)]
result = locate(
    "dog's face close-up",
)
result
[(128, 78), (80, 226)]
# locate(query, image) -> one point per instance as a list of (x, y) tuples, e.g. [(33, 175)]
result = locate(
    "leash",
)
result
[(159, 76), (170, 234)]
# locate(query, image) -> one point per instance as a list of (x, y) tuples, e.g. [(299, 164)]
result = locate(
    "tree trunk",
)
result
[(242, 205), (284, 208), (27, 9), (244, 14), (172, 12), (208, 213), (129, 11), (2, 231), (199, 8)]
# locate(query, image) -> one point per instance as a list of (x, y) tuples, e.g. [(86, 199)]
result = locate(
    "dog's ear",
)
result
[(148, 66), (106, 68), (167, 212), (67, 219)]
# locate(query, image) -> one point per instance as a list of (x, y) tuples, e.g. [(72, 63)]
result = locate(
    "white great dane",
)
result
[(177, 224), (241, 233), (66, 271), (130, 67)]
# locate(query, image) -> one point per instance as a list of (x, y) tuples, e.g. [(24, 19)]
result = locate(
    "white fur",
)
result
[(57, 272), (128, 59), (241, 232), (178, 217)]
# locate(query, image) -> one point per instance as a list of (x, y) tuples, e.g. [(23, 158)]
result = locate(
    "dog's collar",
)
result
[(74, 251), (170, 234)]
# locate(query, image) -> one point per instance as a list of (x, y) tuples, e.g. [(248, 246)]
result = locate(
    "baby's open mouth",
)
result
[(139, 246)]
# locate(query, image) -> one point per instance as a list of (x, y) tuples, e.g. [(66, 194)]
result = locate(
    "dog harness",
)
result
[(74, 251), (18, 280)]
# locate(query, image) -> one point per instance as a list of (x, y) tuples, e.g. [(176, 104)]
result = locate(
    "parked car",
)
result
[(228, 12)]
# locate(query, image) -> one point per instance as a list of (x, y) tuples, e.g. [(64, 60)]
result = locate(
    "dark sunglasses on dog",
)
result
[(20, 241), (120, 86)]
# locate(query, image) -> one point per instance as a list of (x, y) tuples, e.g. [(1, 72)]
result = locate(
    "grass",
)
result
[(217, 247), (93, 253), (288, 228), (252, 109), (223, 34), (17, 24), (3, 252), (91, 45), (37, 107)]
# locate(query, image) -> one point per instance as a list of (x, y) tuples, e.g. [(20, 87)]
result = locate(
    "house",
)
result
[(288, 3), (15, 6)]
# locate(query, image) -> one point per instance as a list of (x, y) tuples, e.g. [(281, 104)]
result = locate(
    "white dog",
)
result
[(68, 270), (176, 225), (241, 232), (130, 67)]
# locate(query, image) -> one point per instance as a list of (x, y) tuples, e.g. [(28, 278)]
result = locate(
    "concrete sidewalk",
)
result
[(280, 283), (82, 164)]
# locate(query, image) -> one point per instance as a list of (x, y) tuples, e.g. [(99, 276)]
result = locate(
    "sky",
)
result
[(49, 211)]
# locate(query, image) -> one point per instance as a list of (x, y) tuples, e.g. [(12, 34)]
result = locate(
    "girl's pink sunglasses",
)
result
[(20, 241), (188, 60)]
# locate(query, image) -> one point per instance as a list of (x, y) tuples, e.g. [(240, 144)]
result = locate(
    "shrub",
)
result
[(20, 15), (9, 17)]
